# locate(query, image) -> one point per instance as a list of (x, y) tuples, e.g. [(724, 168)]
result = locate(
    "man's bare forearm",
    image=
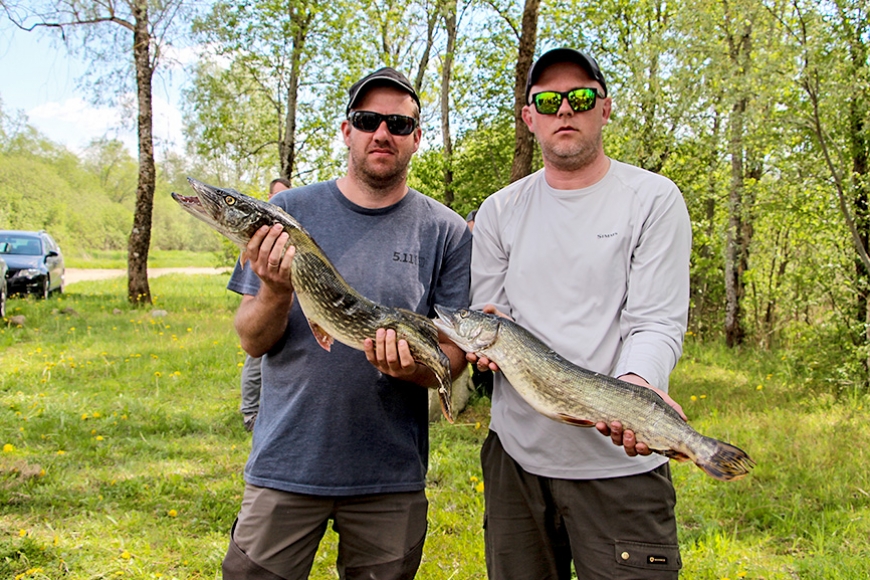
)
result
[(262, 319)]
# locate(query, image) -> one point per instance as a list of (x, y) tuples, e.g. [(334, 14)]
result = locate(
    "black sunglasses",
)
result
[(579, 99), (368, 122)]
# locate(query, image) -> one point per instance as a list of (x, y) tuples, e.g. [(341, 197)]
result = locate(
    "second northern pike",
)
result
[(566, 392), (334, 310)]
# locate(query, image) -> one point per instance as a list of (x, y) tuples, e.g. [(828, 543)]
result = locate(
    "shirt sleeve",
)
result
[(454, 278), (489, 260), (243, 280), (655, 316)]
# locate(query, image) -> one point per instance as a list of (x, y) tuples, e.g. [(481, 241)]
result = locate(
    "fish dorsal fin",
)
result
[(323, 338), (575, 420)]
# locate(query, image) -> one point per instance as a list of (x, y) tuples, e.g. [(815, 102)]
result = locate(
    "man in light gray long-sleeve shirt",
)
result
[(592, 256)]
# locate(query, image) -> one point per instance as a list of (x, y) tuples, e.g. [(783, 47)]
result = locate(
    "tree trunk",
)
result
[(138, 291), (450, 24), (734, 284), (525, 142), (287, 146)]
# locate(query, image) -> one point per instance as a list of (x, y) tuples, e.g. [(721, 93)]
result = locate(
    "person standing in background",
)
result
[(251, 376)]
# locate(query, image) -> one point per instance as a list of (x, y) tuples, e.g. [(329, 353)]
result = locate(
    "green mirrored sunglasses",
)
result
[(579, 99)]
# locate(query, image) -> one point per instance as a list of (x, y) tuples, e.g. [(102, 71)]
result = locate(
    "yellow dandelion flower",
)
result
[(56, 540), (93, 431), (477, 425), (172, 513), (22, 533), (693, 398), (759, 387), (99, 437), (61, 452), (703, 396), (85, 416), (126, 555), (473, 479), (240, 364), (479, 487), (42, 473), (157, 374), (8, 448), (96, 415), (741, 574), (189, 329)]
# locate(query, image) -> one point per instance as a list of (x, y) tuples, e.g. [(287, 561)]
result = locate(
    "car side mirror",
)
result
[(52, 254)]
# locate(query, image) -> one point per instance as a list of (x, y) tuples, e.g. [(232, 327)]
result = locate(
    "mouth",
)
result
[(187, 199), (445, 315)]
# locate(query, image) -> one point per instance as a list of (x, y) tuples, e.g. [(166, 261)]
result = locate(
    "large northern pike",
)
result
[(566, 392), (334, 310)]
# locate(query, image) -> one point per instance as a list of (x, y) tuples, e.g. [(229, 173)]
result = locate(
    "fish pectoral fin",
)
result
[(675, 455), (323, 338), (577, 421)]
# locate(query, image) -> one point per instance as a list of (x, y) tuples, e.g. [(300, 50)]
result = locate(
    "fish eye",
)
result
[(230, 200)]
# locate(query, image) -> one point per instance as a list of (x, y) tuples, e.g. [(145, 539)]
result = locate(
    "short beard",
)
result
[(377, 182), (574, 157)]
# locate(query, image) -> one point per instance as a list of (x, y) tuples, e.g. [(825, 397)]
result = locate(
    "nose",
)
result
[(565, 107), (382, 132)]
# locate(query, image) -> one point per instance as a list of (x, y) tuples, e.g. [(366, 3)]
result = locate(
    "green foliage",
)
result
[(85, 203)]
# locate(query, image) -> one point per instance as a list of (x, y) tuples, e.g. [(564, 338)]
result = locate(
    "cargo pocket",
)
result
[(632, 557)]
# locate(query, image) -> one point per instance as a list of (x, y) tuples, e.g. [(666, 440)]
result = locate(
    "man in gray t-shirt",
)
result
[(591, 256), (343, 435)]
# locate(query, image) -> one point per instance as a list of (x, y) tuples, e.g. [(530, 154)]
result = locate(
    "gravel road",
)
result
[(74, 275)]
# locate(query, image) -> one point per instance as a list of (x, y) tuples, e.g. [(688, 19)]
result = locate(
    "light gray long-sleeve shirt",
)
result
[(601, 275)]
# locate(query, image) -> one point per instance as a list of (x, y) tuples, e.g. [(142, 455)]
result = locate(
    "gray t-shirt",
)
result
[(601, 275), (329, 422)]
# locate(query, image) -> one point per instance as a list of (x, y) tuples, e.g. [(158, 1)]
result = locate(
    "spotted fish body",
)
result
[(568, 393), (334, 310)]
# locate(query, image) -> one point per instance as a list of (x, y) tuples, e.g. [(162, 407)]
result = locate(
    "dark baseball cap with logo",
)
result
[(564, 55), (383, 77)]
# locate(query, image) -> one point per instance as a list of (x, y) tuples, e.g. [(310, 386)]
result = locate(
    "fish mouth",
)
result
[(445, 316), (187, 200)]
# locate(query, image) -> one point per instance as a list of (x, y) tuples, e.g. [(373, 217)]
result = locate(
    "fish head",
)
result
[(233, 214), (470, 330)]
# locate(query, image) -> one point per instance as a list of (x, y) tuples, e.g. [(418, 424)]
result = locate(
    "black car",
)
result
[(34, 261), (3, 291)]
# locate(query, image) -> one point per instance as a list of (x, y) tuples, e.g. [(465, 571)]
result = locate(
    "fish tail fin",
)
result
[(726, 462)]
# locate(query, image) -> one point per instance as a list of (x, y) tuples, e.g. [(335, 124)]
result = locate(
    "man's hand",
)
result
[(393, 357), (483, 363), (625, 437), (264, 253)]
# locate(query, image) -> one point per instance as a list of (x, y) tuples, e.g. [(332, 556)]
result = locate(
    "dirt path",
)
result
[(74, 275)]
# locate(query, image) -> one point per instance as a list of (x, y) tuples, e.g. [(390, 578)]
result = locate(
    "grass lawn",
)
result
[(123, 450)]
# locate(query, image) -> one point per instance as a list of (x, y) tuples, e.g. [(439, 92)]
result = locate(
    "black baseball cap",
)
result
[(564, 55), (385, 76)]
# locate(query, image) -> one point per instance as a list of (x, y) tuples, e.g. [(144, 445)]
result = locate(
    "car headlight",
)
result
[(28, 273)]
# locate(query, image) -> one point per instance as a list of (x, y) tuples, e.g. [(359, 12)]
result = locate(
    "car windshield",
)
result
[(21, 245)]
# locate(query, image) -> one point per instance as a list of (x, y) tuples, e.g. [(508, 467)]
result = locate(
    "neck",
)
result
[(572, 178), (369, 197)]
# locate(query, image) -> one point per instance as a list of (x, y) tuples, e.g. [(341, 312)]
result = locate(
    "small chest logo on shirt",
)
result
[(657, 560), (406, 258), (610, 235)]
